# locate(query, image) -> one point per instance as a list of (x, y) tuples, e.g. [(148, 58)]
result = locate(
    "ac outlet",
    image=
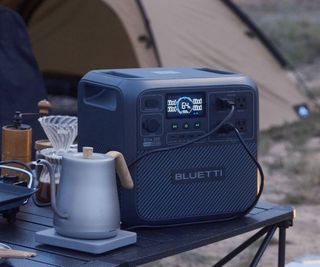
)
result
[(222, 131), (241, 125), (242, 117), (240, 102)]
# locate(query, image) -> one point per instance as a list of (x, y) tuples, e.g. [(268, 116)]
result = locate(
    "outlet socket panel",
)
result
[(243, 116)]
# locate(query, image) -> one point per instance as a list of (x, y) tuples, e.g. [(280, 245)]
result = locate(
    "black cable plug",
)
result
[(229, 102), (224, 103)]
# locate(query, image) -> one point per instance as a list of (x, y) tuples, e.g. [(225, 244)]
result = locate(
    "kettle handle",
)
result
[(47, 165), (122, 169)]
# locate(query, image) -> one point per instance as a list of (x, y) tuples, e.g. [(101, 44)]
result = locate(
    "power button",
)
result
[(185, 125)]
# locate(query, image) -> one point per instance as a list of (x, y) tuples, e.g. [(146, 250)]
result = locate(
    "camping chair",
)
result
[(21, 84)]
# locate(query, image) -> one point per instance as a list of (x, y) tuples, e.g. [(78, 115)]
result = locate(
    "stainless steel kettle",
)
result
[(86, 205)]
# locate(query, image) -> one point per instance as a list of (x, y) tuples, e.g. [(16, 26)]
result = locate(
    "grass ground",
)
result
[(294, 151)]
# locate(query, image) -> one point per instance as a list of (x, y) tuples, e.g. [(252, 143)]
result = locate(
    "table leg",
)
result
[(242, 247), (263, 247), (282, 246)]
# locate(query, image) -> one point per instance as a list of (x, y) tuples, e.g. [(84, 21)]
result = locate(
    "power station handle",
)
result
[(100, 97), (122, 169), (52, 189)]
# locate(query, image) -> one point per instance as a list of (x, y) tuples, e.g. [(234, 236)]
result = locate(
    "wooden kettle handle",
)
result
[(122, 169)]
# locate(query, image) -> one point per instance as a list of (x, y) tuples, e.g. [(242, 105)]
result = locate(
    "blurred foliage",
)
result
[(292, 25), (299, 41), (300, 160), (297, 133)]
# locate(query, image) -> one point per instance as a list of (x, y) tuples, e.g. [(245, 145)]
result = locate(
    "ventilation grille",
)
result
[(159, 198)]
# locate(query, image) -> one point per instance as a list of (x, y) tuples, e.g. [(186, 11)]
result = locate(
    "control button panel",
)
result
[(185, 125), (182, 130)]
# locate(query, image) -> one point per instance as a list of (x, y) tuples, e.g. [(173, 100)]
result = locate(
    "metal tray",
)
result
[(13, 196)]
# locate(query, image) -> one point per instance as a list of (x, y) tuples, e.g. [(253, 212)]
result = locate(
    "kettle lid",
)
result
[(88, 155)]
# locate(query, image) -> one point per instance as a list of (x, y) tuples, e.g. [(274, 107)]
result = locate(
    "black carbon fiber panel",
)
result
[(159, 198)]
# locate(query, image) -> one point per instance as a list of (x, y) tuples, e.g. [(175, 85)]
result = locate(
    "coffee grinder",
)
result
[(17, 140)]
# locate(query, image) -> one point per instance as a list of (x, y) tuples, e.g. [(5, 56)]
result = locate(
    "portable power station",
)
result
[(152, 116)]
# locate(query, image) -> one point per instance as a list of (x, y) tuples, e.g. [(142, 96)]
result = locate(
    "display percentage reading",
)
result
[(185, 106)]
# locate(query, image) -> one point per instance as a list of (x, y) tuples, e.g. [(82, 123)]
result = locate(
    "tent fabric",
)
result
[(21, 84), (89, 38), (75, 36), (131, 17)]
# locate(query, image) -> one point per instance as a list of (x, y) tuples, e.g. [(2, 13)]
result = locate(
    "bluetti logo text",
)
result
[(198, 175)]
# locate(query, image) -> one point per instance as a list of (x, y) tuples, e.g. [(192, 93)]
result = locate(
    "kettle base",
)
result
[(87, 235), (97, 246)]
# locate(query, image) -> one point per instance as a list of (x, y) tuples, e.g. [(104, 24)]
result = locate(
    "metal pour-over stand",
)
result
[(61, 132)]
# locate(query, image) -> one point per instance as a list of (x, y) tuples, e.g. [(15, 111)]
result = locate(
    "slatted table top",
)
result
[(153, 244)]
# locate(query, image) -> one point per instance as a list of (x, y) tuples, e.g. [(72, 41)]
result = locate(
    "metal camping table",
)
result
[(153, 244)]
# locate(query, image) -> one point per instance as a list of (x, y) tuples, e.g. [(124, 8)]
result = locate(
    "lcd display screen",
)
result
[(185, 105)]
